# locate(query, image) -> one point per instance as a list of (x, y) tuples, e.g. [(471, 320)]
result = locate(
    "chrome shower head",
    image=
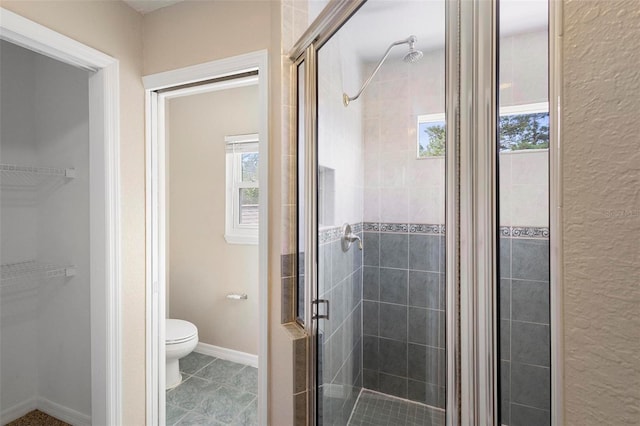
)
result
[(413, 55)]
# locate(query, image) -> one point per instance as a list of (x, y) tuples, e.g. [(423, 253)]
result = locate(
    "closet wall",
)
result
[(45, 341)]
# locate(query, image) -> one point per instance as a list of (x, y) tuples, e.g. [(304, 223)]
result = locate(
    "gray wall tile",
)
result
[(371, 283), (424, 253), (418, 325), (417, 362), (338, 304), (505, 257), (530, 385), (417, 391), (443, 291), (505, 339), (393, 285), (393, 385), (341, 262), (530, 259), (424, 326), (530, 301), (392, 356), (505, 392), (505, 298), (325, 275), (371, 248), (530, 343), (529, 416), (424, 289), (400, 270), (370, 352), (370, 318), (433, 395), (393, 250), (370, 379), (393, 321), (442, 323)]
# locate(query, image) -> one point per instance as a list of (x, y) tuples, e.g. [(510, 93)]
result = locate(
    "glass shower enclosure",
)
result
[(378, 215), (423, 232)]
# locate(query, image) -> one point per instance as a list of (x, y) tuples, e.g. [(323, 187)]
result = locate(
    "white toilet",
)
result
[(181, 340)]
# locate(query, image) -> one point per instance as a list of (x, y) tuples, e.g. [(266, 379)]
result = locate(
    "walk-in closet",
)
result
[(45, 315)]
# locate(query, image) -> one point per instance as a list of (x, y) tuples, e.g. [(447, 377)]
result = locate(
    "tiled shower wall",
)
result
[(524, 328), (404, 320), (340, 337), (403, 311)]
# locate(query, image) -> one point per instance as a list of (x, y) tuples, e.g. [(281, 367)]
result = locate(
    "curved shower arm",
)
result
[(346, 98)]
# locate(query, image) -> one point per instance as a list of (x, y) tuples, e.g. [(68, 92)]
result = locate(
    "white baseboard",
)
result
[(18, 410), (51, 408), (63, 413), (227, 354)]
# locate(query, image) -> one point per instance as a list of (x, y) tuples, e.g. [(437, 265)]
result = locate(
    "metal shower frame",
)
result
[(471, 262)]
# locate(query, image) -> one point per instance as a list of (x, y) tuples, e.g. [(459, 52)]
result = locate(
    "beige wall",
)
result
[(601, 185), (115, 29), (194, 32), (204, 268)]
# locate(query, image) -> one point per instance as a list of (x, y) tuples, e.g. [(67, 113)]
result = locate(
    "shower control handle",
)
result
[(348, 238)]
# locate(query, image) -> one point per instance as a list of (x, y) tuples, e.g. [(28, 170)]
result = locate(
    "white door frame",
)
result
[(104, 161), (156, 218)]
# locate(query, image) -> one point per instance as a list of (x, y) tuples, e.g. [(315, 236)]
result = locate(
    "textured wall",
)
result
[(601, 187)]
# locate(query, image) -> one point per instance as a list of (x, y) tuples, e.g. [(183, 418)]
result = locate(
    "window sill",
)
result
[(241, 239)]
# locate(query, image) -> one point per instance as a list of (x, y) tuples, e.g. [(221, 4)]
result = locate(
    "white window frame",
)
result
[(236, 232), (534, 108)]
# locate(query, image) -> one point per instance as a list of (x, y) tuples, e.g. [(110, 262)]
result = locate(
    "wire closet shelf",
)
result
[(26, 176), (13, 176), (14, 273)]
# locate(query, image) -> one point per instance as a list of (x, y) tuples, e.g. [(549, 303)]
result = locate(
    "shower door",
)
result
[(423, 238), (376, 106)]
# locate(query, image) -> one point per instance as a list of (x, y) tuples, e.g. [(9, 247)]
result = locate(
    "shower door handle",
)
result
[(317, 303)]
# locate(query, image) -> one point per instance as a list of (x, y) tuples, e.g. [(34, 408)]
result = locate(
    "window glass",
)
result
[(248, 211)]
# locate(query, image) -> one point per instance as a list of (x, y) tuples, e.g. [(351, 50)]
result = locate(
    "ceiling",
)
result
[(380, 22), (146, 6)]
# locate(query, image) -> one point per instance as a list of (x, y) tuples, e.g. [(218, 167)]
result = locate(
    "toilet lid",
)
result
[(179, 330)]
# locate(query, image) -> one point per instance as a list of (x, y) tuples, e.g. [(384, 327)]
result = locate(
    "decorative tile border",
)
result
[(328, 235), (333, 234), (412, 228), (524, 232)]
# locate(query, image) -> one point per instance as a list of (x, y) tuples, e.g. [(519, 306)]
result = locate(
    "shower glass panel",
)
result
[(523, 176), (381, 170)]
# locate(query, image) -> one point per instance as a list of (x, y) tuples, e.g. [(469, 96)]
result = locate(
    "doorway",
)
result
[(72, 266), (207, 223)]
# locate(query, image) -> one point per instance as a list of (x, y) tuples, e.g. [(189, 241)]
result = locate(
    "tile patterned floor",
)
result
[(213, 392), (377, 409)]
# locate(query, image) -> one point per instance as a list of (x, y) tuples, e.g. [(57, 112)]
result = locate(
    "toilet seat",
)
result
[(179, 331)]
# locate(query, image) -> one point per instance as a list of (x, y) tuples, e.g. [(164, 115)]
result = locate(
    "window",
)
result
[(431, 135), (524, 127), (243, 189)]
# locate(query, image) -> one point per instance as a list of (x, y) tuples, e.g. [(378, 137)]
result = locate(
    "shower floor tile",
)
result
[(213, 392), (377, 409)]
